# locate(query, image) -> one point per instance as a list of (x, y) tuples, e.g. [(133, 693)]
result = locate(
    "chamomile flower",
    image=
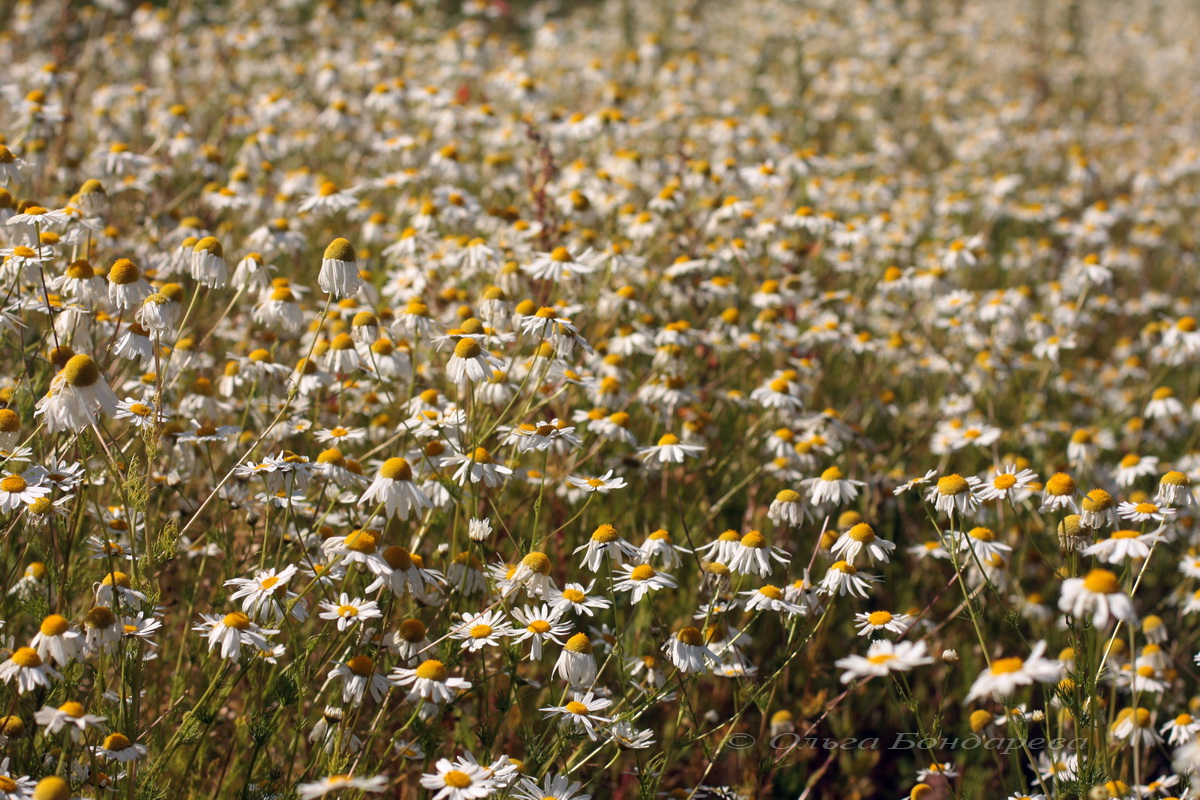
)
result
[(876, 621), (640, 580), (579, 713), (1007, 482), (233, 632), (884, 657), (430, 681), (859, 539), (348, 612), (605, 541), (1099, 595), (954, 494), (1004, 675)]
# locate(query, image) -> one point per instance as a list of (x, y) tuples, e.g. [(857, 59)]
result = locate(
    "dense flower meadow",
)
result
[(554, 401)]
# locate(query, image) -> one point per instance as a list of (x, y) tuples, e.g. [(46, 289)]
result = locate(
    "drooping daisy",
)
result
[(76, 393), (687, 651), (842, 579), (394, 487), (605, 541), (28, 669), (233, 632), (884, 657), (70, 714), (430, 681), (118, 747), (1099, 510), (1098, 594), (642, 579), (1004, 675), (954, 494), (471, 362), (576, 664), (339, 275), (359, 676), (770, 598), (669, 450), (831, 488), (860, 538), (1060, 494), (1175, 489)]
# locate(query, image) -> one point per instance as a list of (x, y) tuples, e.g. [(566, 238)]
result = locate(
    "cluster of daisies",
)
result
[(631, 400)]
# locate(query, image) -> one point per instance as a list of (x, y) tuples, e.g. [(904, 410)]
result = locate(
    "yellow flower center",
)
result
[(642, 572), (1101, 581), (432, 670), (236, 620), (951, 485), (26, 657)]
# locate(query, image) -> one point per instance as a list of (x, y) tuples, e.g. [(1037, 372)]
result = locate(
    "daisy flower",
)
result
[(1098, 510), (471, 362), (686, 650), (575, 597), (580, 713), (1060, 494), (603, 484), (576, 664), (118, 747), (358, 676), (831, 488), (559, 787), (430, 681), (1004, 675), (1007, 482), (862, 538), (232, 632), (605, 541), (770, 598), (70, 714), (463, 779), (349, 612), (669, 450), (883, 657), (954, 494), (339, 275), (28, 669), (18, 491), (1121, 545), (395, 489), (875, 621), (1175, 489), (641, 580), (541, 625), (842, 579), (1143, 512), (1097, 594), (338, 783), (76, 393), (477, 631)]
